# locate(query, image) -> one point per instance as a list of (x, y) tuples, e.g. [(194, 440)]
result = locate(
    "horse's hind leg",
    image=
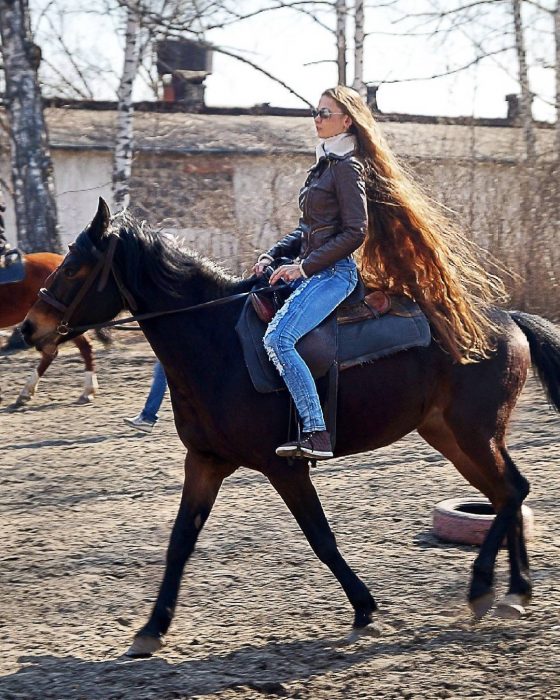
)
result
[(30, 386), (520, 588), (485, 463), (91, 386), (298, 492), (507, 523)]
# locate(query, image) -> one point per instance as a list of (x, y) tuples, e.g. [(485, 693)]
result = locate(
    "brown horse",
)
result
[(15, 301), (461, 410)]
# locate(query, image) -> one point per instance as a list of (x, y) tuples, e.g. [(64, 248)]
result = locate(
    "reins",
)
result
[(103, 268), (154, 314)]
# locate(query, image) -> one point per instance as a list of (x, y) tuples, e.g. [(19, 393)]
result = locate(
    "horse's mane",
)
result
[(150, 258)]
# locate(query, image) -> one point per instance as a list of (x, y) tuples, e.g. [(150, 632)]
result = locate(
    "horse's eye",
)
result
[(70, 271)]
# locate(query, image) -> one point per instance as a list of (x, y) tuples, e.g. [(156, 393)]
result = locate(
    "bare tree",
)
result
[(523, 76), (122, 155), (556, 15), (32, 169), (70, 71), (341, 18), (359, 36), (165, 19), (178, 17)]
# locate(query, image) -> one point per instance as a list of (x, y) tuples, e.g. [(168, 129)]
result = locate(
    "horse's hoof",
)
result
[(85, 400), (143, 647), (480, 606), (512, 607)]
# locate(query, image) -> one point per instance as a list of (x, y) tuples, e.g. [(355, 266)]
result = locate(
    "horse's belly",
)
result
[(379, 403)]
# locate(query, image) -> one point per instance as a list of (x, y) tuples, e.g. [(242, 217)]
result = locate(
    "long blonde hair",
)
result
[(413, 247)]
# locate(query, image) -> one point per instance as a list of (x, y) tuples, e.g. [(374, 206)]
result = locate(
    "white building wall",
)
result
[(80, 179)]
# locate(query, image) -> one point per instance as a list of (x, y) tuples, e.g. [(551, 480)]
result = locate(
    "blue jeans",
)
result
[(155, 396), (312, 300)]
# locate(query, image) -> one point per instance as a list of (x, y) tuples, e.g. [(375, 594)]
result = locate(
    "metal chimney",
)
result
[(513, 108), (183, 66)]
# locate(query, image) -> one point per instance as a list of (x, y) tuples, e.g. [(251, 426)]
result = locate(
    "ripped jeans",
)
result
[(312, 300)]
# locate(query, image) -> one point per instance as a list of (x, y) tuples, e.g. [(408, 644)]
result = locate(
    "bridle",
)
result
[(103, 268)]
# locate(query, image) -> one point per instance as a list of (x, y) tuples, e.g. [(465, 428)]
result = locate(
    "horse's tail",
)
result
[(544, 342)]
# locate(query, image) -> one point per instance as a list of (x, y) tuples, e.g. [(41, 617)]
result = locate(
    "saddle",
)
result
[(12, 267), (368, 325), (361, 304)]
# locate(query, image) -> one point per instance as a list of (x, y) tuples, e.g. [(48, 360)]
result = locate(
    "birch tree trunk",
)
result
[(526, 97), (122, 157), (532, 255), (32, 168), (557, 72), (359, 84), (341, 17)]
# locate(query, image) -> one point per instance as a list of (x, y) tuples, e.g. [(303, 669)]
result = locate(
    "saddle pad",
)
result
[(404, 328), (351, 344), (318, 348), (12, 270)]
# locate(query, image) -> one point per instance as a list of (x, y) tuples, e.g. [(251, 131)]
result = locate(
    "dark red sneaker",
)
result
[(312, 445)]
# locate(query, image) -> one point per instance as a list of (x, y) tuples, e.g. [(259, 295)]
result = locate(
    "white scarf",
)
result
[(339, 145)]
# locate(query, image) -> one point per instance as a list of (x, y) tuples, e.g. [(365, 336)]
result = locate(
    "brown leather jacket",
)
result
[(334, 215)]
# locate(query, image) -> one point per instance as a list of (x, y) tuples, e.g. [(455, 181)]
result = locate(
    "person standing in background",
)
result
[(148, 416)]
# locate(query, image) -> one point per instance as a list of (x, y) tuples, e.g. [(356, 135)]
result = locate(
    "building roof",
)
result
[(250, 134)]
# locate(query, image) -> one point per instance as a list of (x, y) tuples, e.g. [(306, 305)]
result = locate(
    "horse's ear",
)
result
[(100, 223)]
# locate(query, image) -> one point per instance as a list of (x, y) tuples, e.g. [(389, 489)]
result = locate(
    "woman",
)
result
[(359, 196)]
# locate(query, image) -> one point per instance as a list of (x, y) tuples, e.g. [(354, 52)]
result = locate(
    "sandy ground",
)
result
[(86, 507)]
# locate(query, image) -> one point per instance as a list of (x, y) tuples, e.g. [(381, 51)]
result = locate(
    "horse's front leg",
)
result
[(91, 386), (30, 386), (297, 491), (203, 478)]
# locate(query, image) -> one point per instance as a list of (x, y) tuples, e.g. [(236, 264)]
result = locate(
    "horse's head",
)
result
[(82, 291)]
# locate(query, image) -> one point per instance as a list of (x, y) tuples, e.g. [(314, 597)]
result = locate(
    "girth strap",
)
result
[(331, 402)]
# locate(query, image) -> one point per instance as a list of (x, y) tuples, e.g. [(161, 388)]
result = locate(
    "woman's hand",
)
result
[(259, 267), (262, 263), (287, 273)]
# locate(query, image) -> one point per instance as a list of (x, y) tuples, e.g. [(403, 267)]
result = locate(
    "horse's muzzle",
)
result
[(45, 342)]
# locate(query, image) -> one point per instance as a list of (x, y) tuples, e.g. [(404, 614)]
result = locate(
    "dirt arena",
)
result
[(86, 507)]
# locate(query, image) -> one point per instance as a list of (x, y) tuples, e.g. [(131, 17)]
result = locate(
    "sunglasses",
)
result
[(324, 113)]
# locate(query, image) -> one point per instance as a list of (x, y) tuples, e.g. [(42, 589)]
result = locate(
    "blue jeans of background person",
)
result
[(312, 300), (155, 396)]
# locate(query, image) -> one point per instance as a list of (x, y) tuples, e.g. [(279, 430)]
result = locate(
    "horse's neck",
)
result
[(197, 350), (190, 334), (200, 288), (185, 342)]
